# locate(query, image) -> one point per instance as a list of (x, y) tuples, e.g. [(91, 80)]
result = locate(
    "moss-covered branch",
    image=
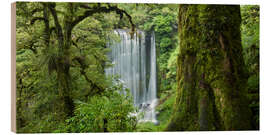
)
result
[(102, 9)]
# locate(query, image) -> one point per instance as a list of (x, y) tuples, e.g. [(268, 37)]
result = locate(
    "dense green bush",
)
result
[(109, 112)]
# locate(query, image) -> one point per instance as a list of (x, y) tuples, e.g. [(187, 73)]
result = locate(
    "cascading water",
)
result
[(134, 61)]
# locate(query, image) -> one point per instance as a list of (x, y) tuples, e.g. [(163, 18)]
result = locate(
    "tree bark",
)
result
[(63, 59), (211, 77)]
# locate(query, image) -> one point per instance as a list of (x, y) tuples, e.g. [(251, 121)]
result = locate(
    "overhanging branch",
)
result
[(36, 10), (99, 9)]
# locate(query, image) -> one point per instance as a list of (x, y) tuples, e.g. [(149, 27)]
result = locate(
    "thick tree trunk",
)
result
[(210, 75), (64, 83), (64, 58)]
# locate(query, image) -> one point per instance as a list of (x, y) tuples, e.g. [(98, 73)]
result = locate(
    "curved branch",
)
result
[(36, 19), (36, 10), (98, 9), (121, 12)]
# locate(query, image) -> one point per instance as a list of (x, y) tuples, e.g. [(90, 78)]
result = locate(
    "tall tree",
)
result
[(211, 76), (63, 23)]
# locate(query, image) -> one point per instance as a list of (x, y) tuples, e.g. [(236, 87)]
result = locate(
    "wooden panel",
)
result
[(13, 67)]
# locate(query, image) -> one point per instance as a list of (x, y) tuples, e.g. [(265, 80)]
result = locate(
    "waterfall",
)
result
[(134, 61)]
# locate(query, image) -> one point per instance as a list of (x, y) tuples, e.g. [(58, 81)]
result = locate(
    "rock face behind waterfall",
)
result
[(134, 61)]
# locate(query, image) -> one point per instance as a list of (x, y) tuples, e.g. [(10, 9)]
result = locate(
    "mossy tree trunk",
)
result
[(63, 60), (211, 77)]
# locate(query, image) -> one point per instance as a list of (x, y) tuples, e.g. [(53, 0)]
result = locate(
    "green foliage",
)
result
[(147, 127), (111, 111), (165, 109), (163, 24), (251, 44), (164, 45), (39, 101), (172, 64), (99, 105), (250, 36), (37, 66)]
